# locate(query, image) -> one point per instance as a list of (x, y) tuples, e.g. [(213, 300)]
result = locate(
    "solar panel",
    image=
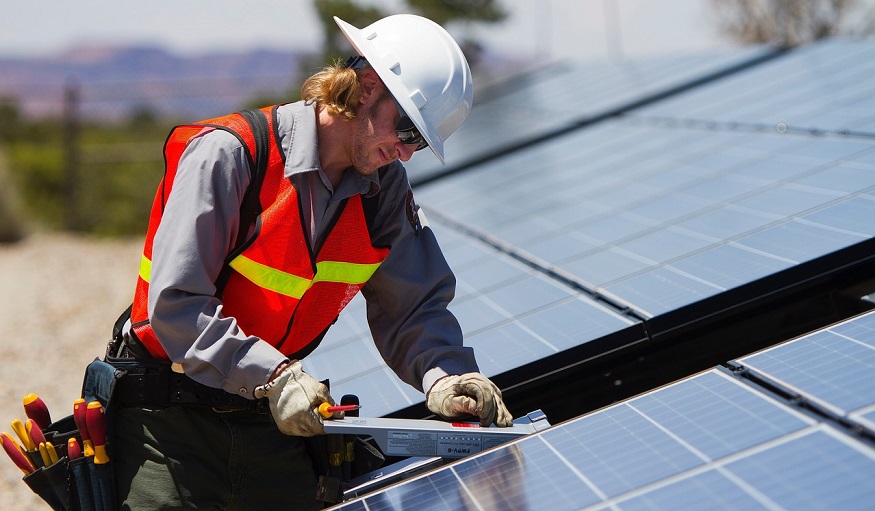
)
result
[(627, 230), (651, 234), (510, 314), (833, 367), (749, 193), (559, 96), (826, 87), (707, 442)]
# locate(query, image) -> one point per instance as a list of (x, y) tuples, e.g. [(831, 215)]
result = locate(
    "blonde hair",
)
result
[(336, 88)]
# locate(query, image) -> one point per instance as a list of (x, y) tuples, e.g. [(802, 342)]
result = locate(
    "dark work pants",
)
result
[(186, 457)]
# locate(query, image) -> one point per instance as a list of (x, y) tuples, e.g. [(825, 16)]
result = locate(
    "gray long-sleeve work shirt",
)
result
[(406, 298)]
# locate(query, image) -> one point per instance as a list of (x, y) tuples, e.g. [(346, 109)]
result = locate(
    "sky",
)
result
[(538, 29)]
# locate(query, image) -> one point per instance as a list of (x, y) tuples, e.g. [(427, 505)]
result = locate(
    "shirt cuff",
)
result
[(431, 376), (254, 369)]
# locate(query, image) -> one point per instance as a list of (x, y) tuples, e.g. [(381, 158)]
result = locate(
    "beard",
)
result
[(366, 158)]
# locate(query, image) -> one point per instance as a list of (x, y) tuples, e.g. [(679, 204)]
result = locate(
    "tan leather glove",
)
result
[(294, 397), (454, 396)]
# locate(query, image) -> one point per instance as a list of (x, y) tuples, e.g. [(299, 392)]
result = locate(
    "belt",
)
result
[(155, 385)]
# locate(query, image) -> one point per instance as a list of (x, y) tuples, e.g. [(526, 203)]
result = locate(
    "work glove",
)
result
[(457, 395), (294, 397)]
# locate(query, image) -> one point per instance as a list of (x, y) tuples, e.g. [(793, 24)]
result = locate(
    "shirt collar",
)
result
[(300, 141)]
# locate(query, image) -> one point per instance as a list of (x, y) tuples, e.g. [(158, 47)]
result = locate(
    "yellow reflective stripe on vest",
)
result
[(270, 278), (344, 273), (145, 268), (288, 284)]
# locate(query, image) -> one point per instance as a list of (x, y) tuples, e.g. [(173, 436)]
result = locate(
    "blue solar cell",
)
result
[(725, 223), (442, 490), (785, 201), (798, 242), (861, 329), (475, 314), (556, 247), (707, 491), (774, 168), (717, 416), (487, 273), (814, 471), (829, 149), (527, 294), (663, 245), (668, 208), (662, 290), (845, 179), (604, 266), (729, 266), (850, 215), (574, 322), (833, 369), (507, 347), (515, 479), (612, 228)]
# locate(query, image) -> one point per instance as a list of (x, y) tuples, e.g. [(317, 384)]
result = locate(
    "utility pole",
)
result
[(72, 124)]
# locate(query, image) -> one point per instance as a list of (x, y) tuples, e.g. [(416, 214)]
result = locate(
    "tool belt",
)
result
[(148, 382), (155, 385)]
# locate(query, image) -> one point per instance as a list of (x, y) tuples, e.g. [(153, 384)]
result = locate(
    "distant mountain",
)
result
[(113, 82)]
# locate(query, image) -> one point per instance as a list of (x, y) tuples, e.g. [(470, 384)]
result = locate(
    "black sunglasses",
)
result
[(407, 131)]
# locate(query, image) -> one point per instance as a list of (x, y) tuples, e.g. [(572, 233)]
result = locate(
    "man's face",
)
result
[(375, 141)]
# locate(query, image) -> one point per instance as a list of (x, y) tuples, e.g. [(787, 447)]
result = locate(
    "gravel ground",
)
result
[(59, 296)]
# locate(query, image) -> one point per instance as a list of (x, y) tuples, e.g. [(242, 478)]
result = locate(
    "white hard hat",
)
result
[(423, 68)]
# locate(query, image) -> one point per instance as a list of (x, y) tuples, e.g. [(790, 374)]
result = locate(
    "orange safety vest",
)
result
[(276, 287)]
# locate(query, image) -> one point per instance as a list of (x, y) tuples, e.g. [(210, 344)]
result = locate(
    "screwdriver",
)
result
[(44, 454), (73, 450), (79, 411), (96, 423), (21, 431), (35, 409), (35, 433), (53, 453), (16, 453), (326, 410)]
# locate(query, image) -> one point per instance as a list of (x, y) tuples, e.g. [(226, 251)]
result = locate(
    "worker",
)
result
[(335, 215)]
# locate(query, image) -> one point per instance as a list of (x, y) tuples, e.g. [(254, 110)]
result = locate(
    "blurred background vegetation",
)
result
[(68, 171), (71, 171)]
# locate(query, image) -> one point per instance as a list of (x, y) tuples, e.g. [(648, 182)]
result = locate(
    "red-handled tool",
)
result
[(327, 410), (16, 453), (35, 409), (73, 450), (96, 421), (79, 412), (35, 432)]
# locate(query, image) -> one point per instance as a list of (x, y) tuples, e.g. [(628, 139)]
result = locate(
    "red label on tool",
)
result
[(465, 424)]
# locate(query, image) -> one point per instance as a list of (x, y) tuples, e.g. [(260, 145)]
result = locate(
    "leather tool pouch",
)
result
[(79, 484)]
